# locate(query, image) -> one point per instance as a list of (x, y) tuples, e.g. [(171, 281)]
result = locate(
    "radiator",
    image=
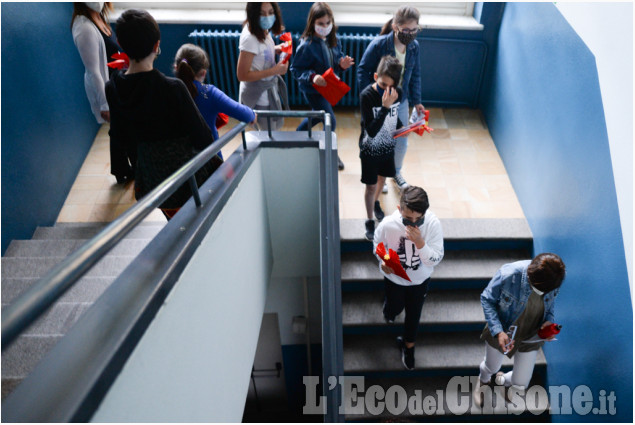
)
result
[(222, 48)]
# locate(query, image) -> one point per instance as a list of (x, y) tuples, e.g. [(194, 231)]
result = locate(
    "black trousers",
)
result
[(123, 158), (410, 298)]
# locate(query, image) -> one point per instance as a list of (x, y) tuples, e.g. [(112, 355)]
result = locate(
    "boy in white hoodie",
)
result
[(414, 233)]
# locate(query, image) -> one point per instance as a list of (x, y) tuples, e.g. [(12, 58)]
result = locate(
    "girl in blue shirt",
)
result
[(318, 51), (397, 38), (191, 64)]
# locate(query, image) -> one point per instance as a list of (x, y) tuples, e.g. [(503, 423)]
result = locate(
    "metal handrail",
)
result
[(26, 309)]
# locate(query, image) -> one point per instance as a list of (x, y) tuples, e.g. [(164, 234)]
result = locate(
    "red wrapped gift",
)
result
[(221, 120), (418, 127), (121, 61), (287, 47), (335, 88), (392, 260)]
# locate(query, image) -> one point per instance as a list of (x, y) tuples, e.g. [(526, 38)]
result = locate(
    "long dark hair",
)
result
[(401, 16), (318, 10), (253, 19), (80, 8), (189, 60)]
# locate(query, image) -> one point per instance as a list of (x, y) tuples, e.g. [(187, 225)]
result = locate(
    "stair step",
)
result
[(25, 353), (449, 352), (87, 289), (32, 267), (57, 320), (86, 232), (441, 307), (59, 248), (449, 398), (456, 265)]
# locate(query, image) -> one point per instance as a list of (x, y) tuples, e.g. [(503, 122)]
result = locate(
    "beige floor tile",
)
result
[(461, 209), (441, 133), (102, 212), (74, 213), (110, 196), (94, 169), (82, 196), (88, 183), (458, 133)]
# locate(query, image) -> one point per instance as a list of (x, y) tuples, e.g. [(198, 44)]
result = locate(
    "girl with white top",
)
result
[(261, 86), (96, 43)]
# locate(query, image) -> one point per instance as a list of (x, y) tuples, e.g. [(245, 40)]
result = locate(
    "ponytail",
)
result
[(402, 15), (185, 73), (189, 61), (386, 28)]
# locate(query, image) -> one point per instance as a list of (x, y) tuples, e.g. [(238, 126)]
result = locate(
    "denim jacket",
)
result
[(385, 45), (506, 297), (313, 56)]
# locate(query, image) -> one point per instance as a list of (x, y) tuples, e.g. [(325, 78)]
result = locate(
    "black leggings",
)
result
[(410, 298)]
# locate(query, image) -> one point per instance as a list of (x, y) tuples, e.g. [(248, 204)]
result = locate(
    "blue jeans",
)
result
[(402, 143), (317, 103)]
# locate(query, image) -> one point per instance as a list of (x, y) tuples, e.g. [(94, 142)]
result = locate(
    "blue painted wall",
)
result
[(544, 110), (47, 125)]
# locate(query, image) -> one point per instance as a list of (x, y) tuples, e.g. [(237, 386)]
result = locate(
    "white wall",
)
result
[(607, 29), (194, 362)]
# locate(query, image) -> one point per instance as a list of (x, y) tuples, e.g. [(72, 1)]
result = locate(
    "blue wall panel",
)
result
[(545, 114), (47, 125)]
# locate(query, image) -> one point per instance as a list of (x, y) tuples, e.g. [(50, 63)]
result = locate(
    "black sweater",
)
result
[(148, 106), (377, 124)]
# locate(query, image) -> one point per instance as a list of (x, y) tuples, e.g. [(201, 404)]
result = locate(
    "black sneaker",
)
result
[(340, 164), (407, 354), (370, 230), (379, 213)]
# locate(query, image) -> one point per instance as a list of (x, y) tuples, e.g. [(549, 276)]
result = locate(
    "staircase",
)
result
[(25, 261), (448, 343)]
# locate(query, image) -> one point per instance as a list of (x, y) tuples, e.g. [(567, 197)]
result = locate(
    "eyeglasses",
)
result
[(410, 31)]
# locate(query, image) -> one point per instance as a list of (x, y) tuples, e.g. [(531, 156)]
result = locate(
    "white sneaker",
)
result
[(400, 182), (385, 188)]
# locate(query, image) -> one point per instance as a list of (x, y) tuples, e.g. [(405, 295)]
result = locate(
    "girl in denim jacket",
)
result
[(521, 294), (318, 51), (398, 38)]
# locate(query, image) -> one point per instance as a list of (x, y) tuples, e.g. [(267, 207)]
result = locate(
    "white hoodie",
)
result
[(418, 263)]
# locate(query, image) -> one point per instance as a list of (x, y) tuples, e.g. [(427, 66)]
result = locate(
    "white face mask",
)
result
[(324, 31), (97, 6)]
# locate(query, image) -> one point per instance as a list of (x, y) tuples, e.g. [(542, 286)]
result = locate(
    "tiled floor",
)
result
[(457, 165)]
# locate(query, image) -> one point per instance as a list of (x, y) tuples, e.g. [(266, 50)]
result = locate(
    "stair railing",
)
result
[(29, 306)]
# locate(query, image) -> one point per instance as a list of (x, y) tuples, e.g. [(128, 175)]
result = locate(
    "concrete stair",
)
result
[(452, 319), (26, 261)]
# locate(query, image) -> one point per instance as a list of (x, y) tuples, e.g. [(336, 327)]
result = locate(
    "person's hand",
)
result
[(386, 269), (414, 234), (105, 115), (544, 325), (318, 80), (420, 109), (253, 123), (280, 68), (346, 62), (278, 48), (389, 97), (503, 340)]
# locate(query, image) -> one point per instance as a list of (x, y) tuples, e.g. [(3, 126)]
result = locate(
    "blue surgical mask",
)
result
[(380, 90), (266, 22)]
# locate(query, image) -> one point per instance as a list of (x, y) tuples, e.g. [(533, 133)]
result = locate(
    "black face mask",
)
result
[(406, 38), (417, 223)]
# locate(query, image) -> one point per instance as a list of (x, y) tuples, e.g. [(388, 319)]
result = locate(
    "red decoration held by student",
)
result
[(287, 47), (121, 61), (392, 260), (335, 88)]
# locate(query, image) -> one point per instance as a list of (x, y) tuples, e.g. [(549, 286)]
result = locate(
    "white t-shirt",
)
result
[(418, 263), (265, 56)]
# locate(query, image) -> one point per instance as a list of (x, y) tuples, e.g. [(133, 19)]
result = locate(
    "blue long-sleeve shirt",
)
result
[(211, 100)]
